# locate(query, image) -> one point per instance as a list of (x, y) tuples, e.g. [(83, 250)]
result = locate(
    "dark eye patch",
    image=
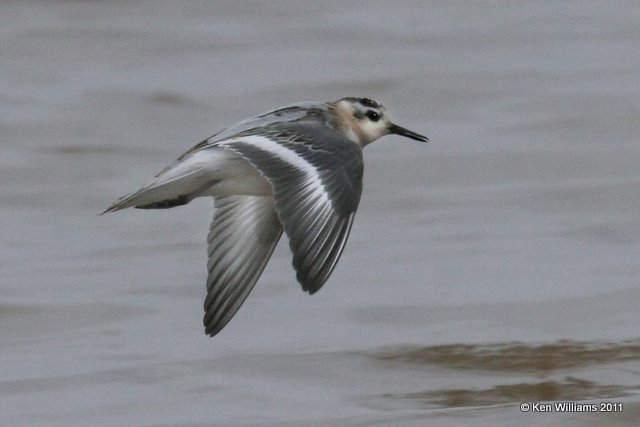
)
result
[(373, 116)]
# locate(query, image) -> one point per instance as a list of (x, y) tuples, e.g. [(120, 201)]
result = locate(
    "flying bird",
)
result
[(297, 168)]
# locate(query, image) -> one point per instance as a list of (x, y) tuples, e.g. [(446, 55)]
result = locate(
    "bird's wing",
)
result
[(316, 175), (283, 115), (243, 234), (192, 171)]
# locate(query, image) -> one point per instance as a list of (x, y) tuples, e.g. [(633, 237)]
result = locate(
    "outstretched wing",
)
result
[(316, 174), (243, 234)]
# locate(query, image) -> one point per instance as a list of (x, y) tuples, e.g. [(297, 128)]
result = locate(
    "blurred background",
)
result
[(495, 265)]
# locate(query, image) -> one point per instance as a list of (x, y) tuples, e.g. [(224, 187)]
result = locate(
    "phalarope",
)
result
[(297, 168)]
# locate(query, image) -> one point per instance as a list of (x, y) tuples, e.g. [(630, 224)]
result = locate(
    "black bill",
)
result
[(398, 130)]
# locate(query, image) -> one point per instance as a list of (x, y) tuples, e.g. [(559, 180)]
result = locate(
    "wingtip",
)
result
[(309, 285), (212, 328)]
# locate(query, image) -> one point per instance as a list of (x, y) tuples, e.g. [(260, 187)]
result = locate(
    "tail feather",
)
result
[(159, 197), (122, 203), (140, 200), (187, 178), (166, 204), (171, 187)]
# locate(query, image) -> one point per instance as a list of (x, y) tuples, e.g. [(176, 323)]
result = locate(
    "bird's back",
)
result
[(302, 111)]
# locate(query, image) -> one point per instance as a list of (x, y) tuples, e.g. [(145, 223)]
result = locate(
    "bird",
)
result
[(296, 169)]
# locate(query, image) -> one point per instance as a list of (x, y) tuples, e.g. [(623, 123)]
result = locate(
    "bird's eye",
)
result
[(373, 116)]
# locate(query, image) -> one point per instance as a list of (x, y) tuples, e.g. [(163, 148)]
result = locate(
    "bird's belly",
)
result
[(238, 177)]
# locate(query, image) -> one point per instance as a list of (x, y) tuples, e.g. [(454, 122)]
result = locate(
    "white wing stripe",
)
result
[(312, 181)]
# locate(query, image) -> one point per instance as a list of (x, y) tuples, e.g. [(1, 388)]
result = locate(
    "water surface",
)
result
[(497, 264)]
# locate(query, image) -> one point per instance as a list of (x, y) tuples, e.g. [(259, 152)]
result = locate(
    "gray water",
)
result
[(497, 264)]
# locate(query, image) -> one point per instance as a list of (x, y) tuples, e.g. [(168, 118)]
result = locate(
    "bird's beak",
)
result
[(398, 130)]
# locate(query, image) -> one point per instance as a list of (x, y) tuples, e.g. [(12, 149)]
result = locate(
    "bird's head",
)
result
[(365, 120)]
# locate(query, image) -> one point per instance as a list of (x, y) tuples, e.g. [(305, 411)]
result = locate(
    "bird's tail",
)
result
[(166, 190), (149, 198), (187, 178)]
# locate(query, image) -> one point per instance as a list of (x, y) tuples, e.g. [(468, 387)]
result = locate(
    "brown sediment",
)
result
[(515, 357), (523, 360), (569, 389)]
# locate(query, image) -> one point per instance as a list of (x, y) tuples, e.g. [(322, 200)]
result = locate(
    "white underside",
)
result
[(215, 172), (233, 174)]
